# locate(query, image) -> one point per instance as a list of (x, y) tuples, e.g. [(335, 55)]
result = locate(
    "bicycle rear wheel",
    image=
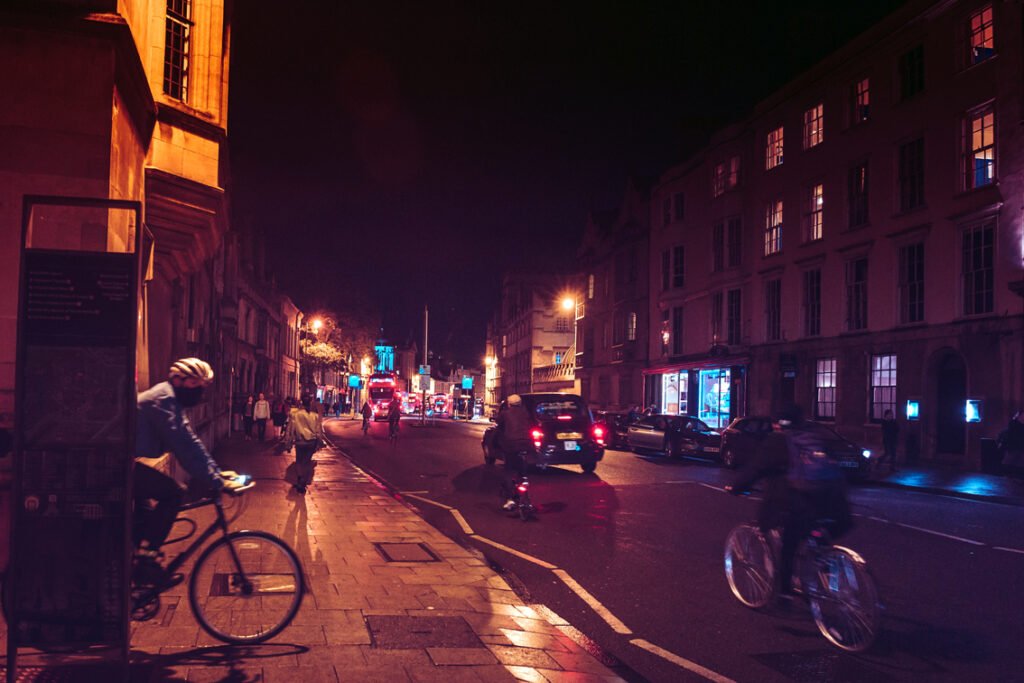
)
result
[(246, 587), (750, 566), (844, 600)]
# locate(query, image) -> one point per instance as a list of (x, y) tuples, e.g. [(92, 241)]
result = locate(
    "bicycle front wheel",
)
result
[(844, 600), (246, 587), (750, 566)]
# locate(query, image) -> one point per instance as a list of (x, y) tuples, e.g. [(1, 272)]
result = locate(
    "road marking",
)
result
[(939, 533), (410, 493), (594, 603), (462, 521), (709, 486), (1008, 550), (513, 551), (880, 519), (432, 502), (681, 661)]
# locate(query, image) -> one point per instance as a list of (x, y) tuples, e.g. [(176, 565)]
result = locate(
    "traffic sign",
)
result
[(424, 370)]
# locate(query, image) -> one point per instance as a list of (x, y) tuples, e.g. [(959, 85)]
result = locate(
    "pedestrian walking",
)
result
[(305, 434), (261, 413), (277, 418), (890, 440), (247, 416)]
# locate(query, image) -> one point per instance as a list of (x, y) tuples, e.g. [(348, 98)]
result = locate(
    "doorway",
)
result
[(951, 393)]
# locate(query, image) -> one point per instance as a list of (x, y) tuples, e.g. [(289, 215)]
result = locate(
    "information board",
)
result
[(74, 443)]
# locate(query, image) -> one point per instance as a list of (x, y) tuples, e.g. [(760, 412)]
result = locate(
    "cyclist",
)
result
[(513, 437), (367, 412), (162, 427), (394, 416), (803, 485)]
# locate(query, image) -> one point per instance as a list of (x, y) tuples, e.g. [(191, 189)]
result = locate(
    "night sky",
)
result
[(395, 154)]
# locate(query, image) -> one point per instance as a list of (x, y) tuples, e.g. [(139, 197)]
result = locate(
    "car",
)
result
[(617, 425), (674, 435), (743, 437), (563, 433)]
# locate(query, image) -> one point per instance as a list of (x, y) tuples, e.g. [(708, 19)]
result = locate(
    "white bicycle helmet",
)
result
[(191, 368)]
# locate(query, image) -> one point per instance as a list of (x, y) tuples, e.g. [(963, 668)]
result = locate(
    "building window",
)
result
[(911, 258), (733, 320), (773, 309), (631, 326), (733, 242), (773, 149), (678, 206), (911, 72), (815, 217), (718, 247), (773, 227), (604, 336), (562, 325), (979, 155), (716, 317), (618, 328), (857, 185), (665, 332), (177, 48), (718, 180), (857, 294), (812, 302), (861, 101), (825, 389), (666, 210), (666, 268), (677, 330), (814, 126), (981, 36), (978, 271), (883, 386), (678, 267), (590, 286), (911, 174), (734, 173)]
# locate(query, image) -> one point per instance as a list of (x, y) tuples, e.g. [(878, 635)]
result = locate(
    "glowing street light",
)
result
[(317, 324), (568, 303)]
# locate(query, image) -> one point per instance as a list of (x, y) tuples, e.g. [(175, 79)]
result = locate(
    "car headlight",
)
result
[(866, 453)]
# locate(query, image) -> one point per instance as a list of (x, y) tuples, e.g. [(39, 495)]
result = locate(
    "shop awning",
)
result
[(698, 363)]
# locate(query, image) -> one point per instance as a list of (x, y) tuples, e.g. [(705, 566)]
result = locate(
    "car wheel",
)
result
[(588, 467)]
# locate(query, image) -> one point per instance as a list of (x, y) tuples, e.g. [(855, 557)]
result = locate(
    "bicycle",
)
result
[(393, 431), (835, 581), (366, 426), (517, 498), (245, 587)]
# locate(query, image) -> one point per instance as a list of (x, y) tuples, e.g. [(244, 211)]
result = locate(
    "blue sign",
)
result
[(913, 409), (467, 382), (355, 381), (972, 410)]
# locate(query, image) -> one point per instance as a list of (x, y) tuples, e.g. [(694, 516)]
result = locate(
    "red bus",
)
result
[(383, 387)]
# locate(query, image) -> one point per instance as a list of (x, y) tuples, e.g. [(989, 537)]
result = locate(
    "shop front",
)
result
[(715, 392)]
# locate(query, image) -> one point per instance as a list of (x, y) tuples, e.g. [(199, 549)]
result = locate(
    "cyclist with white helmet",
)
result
[(162, 427)]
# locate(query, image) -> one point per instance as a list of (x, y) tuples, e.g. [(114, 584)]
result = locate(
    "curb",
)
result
[(949, 493)]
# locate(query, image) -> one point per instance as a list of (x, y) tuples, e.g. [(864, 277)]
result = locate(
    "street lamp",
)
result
[(568, 303)]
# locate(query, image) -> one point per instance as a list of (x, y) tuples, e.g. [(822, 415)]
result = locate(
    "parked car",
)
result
[(743, 437), (674, 435), (617, 425), (563, 433)]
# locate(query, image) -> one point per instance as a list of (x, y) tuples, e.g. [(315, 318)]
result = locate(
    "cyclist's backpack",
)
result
[(811, 468)]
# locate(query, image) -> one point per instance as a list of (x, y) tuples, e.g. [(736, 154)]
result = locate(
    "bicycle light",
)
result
[(522, 488), (866, 453)]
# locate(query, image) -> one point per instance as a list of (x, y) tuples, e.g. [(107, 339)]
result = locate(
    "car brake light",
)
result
[(564, 417), (537, 436), (599, 434)]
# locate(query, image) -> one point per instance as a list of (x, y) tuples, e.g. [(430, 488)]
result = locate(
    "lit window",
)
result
[(773, 228), (977, 270), (861, 101), (814, 126), (177, 48), (825, 389), (734, 173), (773, 149), (982, 36), (631, 327), (718, 180), (558, 358), (980, 148), (590, 286), (815, 213), (883, 386)]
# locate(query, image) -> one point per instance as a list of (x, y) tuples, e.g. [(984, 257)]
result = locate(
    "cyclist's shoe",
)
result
[(147, 571), (509, 505)]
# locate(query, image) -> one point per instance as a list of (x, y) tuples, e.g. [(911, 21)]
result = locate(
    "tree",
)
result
[(333, 342)]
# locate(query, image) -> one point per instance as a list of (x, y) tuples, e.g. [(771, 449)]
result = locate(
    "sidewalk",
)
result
[(447, 618), (953, 482)]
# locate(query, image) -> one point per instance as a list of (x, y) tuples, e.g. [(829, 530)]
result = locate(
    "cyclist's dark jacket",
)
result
[(514, 428), (162, 426), (782, 503), (394, 411)]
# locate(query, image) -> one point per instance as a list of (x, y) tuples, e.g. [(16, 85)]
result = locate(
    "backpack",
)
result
[(811, 468)]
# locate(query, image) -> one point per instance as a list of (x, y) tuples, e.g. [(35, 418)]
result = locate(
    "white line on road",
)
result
[(709, 486), (1008, 550), (513, 551), (427, 500), (879, 519), (681, 661), (939, 533), (594, 603), (462, 521)]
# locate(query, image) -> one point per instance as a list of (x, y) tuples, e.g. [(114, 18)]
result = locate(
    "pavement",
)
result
[(953, 482), (441, 615)]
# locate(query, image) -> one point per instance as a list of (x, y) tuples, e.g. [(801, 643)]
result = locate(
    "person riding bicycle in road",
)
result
[(394, 415), (513, 437), (162, 427), (803, 485), (367, 412)]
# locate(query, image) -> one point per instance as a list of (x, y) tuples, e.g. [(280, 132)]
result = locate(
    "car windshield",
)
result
[(696, 425), (553, 409), (827, 432)]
